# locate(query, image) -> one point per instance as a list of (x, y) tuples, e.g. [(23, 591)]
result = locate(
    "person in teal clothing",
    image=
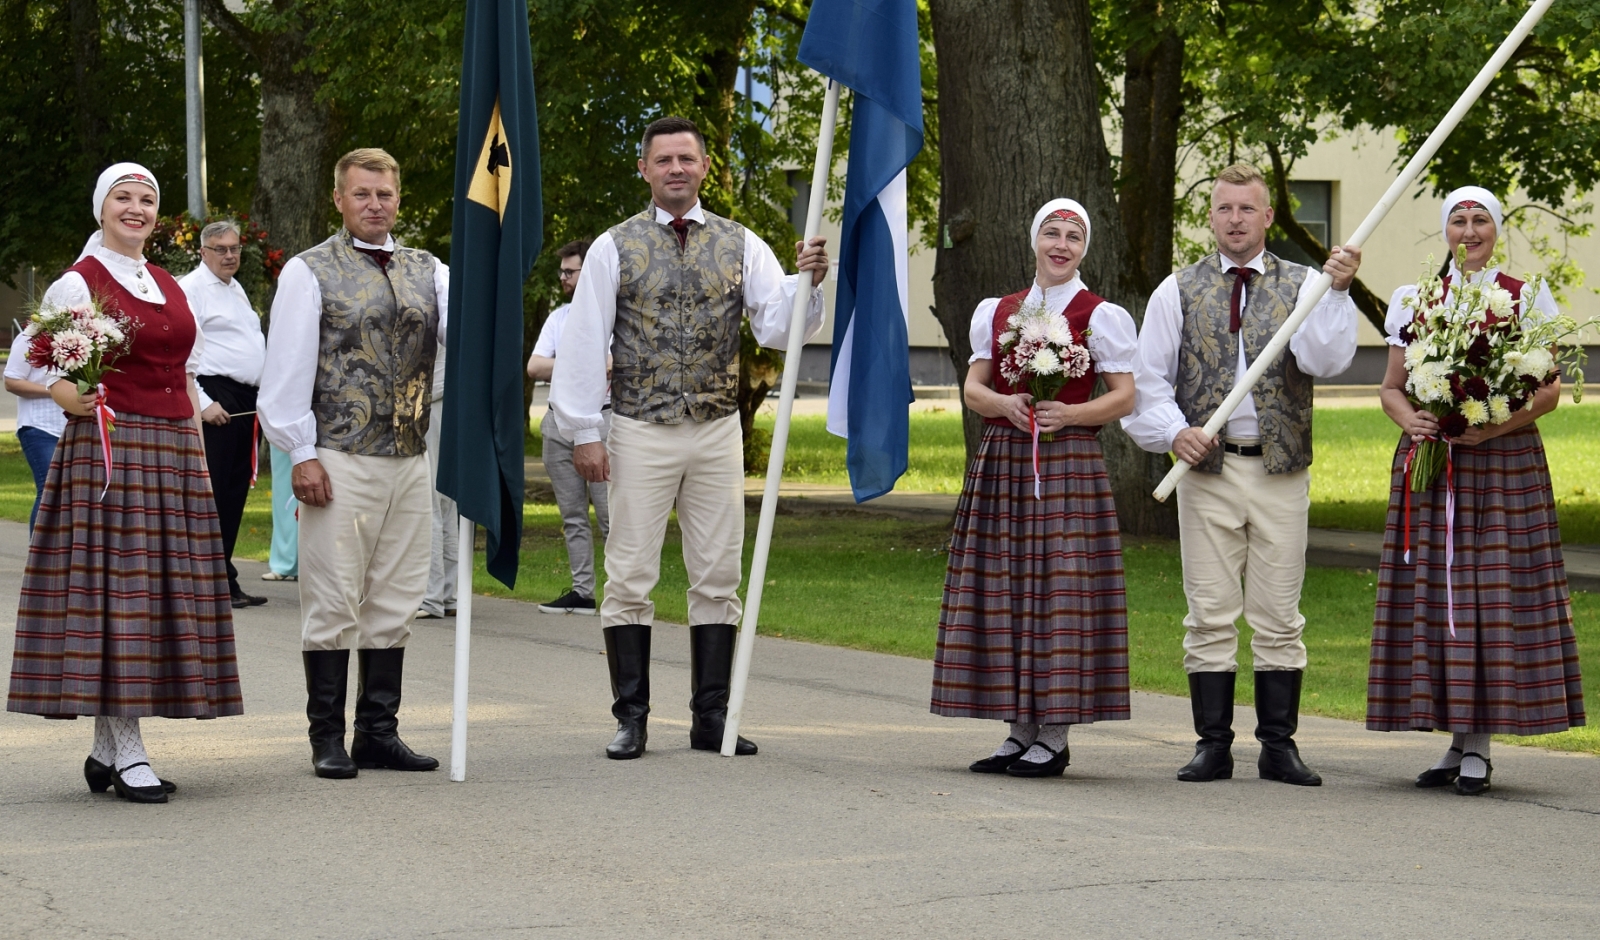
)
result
[(284, 561)]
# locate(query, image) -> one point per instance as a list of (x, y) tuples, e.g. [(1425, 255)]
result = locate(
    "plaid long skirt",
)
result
[(1034, 624), (125, 609), (1512, 666)]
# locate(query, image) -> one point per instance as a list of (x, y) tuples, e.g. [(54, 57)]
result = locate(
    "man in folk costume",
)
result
[(665, 293), (1242, 514), (355, 327)]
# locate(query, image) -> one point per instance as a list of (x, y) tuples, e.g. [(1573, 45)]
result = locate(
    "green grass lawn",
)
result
[(874, 583), (1349, 480)]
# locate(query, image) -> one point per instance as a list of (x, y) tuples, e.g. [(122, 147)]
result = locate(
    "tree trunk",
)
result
[(84, 16), (1151, 111), (293, 177), (1020, 124)]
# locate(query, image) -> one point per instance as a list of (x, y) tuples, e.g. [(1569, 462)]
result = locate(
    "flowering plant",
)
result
[(175, 245), (1471, 360), (1038, 346), (79, 342)]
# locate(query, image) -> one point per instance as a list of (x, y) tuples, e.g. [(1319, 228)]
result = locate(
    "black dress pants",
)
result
[(228, 451)]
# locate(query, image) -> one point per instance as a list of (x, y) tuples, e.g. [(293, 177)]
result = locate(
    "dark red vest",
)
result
[(1506, 283), (150, 378), (1076, 391)]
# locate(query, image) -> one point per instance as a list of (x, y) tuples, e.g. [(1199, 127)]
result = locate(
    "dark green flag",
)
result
[(498, 229)]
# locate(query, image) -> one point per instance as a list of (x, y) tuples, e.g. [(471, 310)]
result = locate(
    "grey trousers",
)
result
[(441, 593), (573, 496)]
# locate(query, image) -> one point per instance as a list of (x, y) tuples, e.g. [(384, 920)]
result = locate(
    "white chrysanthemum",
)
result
[(1034, 331), (1476, 412), (1416, 352), (1008, 337), (1537, 363), (1500, 301), (1499, 409), (1059, 333), (1044, 362), (71, 350)]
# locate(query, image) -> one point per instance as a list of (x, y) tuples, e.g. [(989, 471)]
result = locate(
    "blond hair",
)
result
[(374, 159), (1243, 174)]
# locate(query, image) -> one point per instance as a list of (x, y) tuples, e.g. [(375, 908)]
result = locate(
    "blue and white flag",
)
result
[(871, 47)]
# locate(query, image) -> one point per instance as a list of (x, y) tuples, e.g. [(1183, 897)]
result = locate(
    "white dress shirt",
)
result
[(1544, 303), (550, 333), (71, 289), (1323, 346), (34, 412), (292, 347), (235, 346), (1113, 339), (578, 386)]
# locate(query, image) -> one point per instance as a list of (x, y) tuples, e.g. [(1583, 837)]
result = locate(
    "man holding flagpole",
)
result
[(1242, 515), (664, 292)]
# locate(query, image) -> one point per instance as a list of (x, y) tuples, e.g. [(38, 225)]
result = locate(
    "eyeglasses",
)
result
[(236, 249), (573, 272)]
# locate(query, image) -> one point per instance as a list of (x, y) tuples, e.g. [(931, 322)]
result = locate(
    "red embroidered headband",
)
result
[(1067, 215)]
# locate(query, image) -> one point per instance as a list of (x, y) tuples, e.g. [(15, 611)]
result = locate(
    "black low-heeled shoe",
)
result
[(155, 794), (1473, 786), (1439, 776), (98, 777), (1050, 768), (996, 763)]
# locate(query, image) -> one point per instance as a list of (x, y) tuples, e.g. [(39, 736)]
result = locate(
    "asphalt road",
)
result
[(857, 819)]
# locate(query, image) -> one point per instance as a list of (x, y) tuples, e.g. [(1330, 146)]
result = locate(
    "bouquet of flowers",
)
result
[(81, 343), (1038, 347), (1471, 360)]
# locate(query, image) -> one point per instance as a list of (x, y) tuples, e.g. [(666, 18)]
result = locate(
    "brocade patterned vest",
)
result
[(379, 333), (1208, 356), (675, 344)]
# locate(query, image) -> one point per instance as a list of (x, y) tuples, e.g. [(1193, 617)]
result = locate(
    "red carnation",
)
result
[(1456, 388), (1517, 403), (1453, 424), (1476, 387)]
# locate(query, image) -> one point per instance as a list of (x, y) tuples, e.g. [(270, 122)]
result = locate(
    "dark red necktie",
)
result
[(681, 228), (382, 256), (1241, 277)]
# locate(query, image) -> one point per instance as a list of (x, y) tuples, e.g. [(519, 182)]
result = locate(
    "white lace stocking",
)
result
[(130, 751)]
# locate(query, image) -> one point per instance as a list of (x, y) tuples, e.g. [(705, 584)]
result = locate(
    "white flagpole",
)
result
[(780, 430), (458, 710), (1396, 189)]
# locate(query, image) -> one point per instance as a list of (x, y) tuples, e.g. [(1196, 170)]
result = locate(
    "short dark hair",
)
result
[(578, 249), (670, 125)]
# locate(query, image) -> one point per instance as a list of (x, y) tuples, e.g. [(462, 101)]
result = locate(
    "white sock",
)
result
[(1452, 757), (104, 750), (1053, 737), (1475, 748), (130, 750), (1023, 733)]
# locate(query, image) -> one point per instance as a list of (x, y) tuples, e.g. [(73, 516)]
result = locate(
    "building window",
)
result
[(1314, 212)]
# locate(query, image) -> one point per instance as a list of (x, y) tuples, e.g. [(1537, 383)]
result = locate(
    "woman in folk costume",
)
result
[(125, 611), (1511, 666), (1033, 630)]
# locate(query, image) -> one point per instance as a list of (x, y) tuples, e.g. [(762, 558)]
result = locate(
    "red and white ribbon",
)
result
[(106, 419), (1449, 525), (1033, 421), (255, 449)]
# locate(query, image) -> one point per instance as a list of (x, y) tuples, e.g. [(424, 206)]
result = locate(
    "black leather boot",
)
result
[(710, 669), (628, 656), (327, 673), (1277, 718), (376, 742), (1211, 698)]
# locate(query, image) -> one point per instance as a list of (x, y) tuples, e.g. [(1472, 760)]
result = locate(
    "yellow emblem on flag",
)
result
[(491, 179)]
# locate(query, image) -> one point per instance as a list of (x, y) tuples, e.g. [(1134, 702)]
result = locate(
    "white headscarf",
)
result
[(1060, 205), (1475, 194), (114, 175)]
